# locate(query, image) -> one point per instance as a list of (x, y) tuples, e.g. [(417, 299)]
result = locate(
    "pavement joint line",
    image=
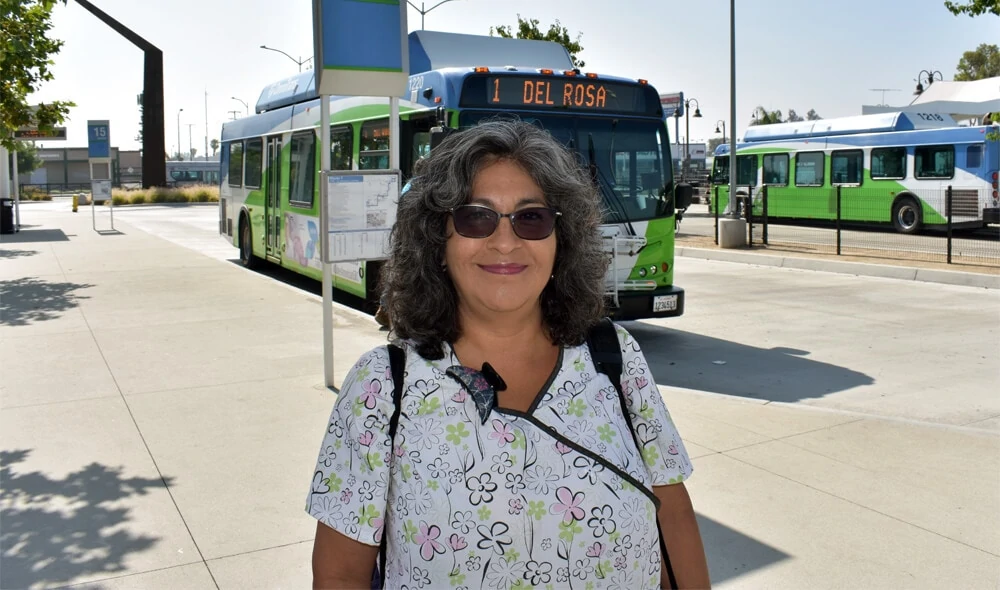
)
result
[(149, 452), (319, 380), (252, 551), (862, 506), (57, 402), (130, 575)]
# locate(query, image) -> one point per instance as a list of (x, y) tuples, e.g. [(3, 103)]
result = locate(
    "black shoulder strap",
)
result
[(602, 340), (605, 349), (397, 366)]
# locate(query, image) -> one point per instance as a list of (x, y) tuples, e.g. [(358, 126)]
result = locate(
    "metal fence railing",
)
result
[(935, 225)]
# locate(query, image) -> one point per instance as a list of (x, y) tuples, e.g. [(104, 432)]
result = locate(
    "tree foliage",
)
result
[(214, 144), (27, 157), (974, 7), (762, 116), (714, 143), (26, 51), (983, 62), (528, 29)]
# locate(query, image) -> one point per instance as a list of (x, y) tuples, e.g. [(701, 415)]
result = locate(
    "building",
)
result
[(69, 169), (967, 102)]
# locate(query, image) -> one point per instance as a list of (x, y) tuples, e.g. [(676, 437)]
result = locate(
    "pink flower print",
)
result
[(503, 433), (345, 496), (366, 438), (379, 524), (457, 543), (641, 382), (620, 562), (460, 397), (427, 539), (372, 388), (672, 449), (563, 449), (399, 451), (568, 505), (516, 506), (595, 550)]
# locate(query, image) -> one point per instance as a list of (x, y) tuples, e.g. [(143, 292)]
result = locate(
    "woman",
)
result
[(497, 263)]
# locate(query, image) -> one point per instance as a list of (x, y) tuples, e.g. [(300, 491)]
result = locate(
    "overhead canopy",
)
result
[(963, 100), (432, 50)]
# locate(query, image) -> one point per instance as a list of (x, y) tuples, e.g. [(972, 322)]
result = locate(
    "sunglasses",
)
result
[(479, 221)]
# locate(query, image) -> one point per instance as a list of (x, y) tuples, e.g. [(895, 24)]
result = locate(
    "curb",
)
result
[(948, 277)]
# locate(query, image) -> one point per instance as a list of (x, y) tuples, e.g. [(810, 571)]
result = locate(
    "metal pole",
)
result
[(732, 106), (324, 233), (715, 202), (838, 220), (179, 131), (948, 199), (687, 141), (206, 124), (422, 13), (4, 174), (764, 213), (17, 191), (190, 146)]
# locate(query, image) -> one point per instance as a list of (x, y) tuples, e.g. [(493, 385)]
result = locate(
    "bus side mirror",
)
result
[(683, 194), (438, 134)]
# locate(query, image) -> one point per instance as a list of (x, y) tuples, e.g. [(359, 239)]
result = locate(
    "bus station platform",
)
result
[(161, 413)]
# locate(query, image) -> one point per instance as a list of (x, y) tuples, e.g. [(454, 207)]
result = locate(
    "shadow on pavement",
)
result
[(17, 253), (28, 300), (26, 236), (58, 530), (684, 359), (731, 554)]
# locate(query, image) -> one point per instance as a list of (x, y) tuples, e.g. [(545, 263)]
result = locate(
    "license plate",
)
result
[(664, 303)]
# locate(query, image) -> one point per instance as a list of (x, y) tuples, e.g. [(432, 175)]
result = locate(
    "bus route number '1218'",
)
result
[(550, 93)]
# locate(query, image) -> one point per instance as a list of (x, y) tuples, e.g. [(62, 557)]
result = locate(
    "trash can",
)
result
[(6, 216)]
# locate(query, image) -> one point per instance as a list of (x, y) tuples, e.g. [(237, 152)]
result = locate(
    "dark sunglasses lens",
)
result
[(475, 222), (536, 223)]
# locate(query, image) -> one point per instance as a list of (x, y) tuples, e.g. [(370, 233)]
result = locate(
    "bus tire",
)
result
[(907, 216), (247, 259)]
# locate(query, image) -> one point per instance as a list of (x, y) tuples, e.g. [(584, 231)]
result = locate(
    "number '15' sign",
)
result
[(98, 139)]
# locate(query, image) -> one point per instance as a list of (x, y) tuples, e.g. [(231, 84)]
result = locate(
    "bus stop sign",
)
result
[(98, 139)]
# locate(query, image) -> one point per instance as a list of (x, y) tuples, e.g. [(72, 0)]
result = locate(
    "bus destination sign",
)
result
[(558, 93), (34, 133)]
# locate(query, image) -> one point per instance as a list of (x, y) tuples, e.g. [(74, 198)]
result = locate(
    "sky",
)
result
[(798, 54)]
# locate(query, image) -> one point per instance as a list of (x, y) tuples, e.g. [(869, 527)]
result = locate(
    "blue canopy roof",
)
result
[(901, 121)]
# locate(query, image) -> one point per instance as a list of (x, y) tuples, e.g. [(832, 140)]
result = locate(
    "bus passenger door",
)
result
[(272, 198)]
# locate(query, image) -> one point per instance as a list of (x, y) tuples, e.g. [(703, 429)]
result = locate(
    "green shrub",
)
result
[(118, 200), (139, 198)]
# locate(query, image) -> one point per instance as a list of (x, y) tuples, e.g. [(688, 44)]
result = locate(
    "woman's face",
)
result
[(502, 272)]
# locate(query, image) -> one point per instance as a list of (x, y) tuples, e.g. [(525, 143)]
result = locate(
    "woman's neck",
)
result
[(492, 337)]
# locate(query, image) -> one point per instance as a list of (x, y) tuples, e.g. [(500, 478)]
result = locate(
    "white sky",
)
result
[(798, 54)]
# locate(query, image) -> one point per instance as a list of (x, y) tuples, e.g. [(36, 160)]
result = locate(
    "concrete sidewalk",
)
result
[(161, 411)]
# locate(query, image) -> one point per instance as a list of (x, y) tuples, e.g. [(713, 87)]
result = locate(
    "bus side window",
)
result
[(301, 169), (421, 146), (341, 148), (236, 164), (847, 167), (374, 151), (974, 156)]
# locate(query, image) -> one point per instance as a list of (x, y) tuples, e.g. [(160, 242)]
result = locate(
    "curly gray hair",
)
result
[(421, 299)]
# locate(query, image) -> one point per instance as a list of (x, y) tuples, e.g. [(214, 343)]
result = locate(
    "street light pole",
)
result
[(190, 145), (179, 111), (423, 12), (927, 75), (730, 205), (297, 61), (687, 133), (245, 105), (723, 124)]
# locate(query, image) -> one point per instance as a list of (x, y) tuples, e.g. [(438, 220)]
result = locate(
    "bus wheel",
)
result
[(246, 245), (906, 216)]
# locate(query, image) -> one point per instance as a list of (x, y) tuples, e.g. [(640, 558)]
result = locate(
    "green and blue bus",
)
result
[(270, 193), (892, 168)]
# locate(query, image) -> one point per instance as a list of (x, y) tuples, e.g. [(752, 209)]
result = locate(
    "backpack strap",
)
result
[(397, 366), (606, 351)]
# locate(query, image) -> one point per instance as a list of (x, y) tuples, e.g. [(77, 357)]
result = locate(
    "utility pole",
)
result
[(206, 123), (233, 113), (190, 150)]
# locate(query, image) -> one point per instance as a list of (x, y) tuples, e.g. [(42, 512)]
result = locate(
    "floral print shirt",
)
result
[(558, 496)]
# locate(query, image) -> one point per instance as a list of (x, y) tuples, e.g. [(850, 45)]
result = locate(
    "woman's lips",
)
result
[(503, 269)]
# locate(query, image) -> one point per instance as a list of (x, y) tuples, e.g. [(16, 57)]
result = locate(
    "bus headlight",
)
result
[(652, 270), (642, 271)]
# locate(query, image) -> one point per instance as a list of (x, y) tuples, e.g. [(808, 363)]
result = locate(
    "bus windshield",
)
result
[(626, 158)]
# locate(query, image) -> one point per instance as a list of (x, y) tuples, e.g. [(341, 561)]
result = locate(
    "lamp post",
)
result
[(190, 145), (423, 12), (245, 105), (721, 123), (687, 132), (926, 76), (179, 111), (297, 61)]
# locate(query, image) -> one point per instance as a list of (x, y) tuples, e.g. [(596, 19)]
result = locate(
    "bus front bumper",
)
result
[(660, 303), (991, 215)]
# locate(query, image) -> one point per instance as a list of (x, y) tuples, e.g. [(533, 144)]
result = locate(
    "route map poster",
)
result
[(361, 209)]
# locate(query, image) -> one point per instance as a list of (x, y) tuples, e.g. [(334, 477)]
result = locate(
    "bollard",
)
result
[(74, 203)]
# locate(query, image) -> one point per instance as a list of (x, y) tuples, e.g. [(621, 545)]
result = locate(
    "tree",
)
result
[(974, 7), (214, 144), (192, 154), (812, 115), (528, 29), (793, 117), (714, 143), (762, 116), (26, 51), (984, 62)]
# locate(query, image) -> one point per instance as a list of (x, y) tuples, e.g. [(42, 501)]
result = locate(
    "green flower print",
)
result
[(484, 513), (456, 432), (650, 455), (568, 531), (576, 407), (536, 509), (606, 432), (334, 482), (429, 406)]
